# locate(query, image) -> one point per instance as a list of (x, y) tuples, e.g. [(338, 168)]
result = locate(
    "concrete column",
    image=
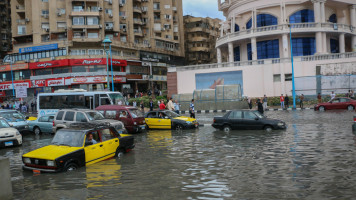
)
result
[(353, 43), (233, 24), (254, 48), (353, 15), (342, 43), (325, 47), (218, 55), (285, 43), (252, 19), (316, 11), (319, 42), (255, 17), (231, 52), (322, 9), (221, 30)]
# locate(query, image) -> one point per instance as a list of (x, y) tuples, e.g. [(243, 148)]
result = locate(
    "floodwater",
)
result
[(313, 159)]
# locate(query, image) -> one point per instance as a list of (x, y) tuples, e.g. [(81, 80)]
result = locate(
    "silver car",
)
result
[(64, 118), (15, 119), (8, 135)]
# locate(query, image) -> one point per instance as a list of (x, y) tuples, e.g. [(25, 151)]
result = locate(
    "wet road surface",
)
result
[(313, 159)]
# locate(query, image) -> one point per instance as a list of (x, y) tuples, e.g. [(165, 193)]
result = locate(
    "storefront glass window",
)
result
[(97, 68), (43, 72), (79, 69), (61, 70)]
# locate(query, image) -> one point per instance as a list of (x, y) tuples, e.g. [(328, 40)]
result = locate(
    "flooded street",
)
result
[(313, 159)]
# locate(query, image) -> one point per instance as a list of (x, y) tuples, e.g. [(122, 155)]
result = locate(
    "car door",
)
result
[(95, 152), (235, 120), (152, 119), (343, 103), (110, 142), (42, 123), (164, 122), (80, 117), (124, 116), (249, 121), (49, 124), (334, 104)]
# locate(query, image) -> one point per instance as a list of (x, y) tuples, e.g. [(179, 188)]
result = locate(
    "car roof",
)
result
[(115, 107), (76, 109), (86, 126)]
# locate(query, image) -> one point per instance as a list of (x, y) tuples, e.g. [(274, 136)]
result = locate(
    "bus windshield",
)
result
[(116, 97)]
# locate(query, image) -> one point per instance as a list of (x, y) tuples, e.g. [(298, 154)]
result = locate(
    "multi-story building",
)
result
[(5, 27), (200, 37), (62, 41), (261, 37)]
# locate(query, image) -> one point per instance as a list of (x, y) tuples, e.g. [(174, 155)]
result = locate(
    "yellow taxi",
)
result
[(165, 119), (77, 146)]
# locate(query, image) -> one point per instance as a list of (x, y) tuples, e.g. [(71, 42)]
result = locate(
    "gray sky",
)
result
[(202, 8)]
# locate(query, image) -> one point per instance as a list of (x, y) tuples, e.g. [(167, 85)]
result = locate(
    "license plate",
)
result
[(143, 127), (9, 143)]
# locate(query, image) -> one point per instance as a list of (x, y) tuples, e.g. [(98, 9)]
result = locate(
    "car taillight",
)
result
[(53, 124), (214, 120), (355, 118)]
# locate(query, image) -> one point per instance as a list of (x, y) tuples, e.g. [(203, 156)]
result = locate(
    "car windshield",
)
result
[(4, 124), (116, 97), (12, 116), (95, 116), (258, 114), (171, 114), (135, 113), (71, 138)]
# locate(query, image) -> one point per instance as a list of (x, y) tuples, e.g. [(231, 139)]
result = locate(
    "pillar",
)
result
[(324, 40), (319, 42), (231, 52), (233, 22), (221, 30), (322, 12), (353, 43), (254, 48), (218, 54), (317, 19), (353, 23), (317, 15), (285, 43), (342, 43)]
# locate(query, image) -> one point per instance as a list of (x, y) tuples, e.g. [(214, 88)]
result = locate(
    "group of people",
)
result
[(20, 106), (175, 107)]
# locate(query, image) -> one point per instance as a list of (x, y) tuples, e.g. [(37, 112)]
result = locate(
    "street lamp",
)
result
[(108, 41), (291, 55)]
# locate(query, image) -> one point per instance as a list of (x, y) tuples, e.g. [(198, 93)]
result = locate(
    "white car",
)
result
[(9, 136)]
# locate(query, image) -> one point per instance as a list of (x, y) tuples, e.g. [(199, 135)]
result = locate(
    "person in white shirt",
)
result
[(170, 105), (333, 95)]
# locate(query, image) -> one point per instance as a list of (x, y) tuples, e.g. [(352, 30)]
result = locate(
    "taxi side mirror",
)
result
[(166, 117), (88, 143)]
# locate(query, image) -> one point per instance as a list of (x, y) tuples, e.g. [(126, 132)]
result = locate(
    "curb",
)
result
[(224, 111)]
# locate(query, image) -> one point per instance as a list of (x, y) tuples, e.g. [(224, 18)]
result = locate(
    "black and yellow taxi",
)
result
[(165, 119), (77, 146)]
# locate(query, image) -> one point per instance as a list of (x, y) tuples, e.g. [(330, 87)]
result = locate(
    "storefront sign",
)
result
[(4, 68), (8, 86), (89, 61), (119, 79), (116, 62), (159, 78), (55, 82), (21, 92), (91, 79), (38, 48), (49, 64), (38, 83)]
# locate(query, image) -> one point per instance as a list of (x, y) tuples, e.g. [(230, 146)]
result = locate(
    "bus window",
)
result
[(96, 100), (89, 102)]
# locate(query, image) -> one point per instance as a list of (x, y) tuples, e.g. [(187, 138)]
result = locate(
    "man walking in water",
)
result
[(191, 109), (265, 102), (282, 101)]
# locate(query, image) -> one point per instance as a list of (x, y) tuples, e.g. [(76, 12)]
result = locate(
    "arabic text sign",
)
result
[(21, 92)]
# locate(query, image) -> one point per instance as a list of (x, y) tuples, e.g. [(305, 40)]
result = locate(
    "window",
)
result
[(92, 20), (249, 115), (175, 28), (333, 18), (80, 117), (157, 27), (43, 72), (122, 13), (44, 0), (93, 35), (123, 38), (108, 11), (77, 52), (303, 46), (302, 16), (95, 52), (237, 53), (78, 20), (167, 6), (78, 9), (167, 16), (110, 114), (156, 6), (276, 78), (45, 25), (107, 134), (334, 46), (60, 115), (62, 11), (61, 25), (61, 70), (69, 116), (265, 49), (235, 115), (21, 30), (288, 77), (237, 28), (79, 69), (45, 12), (263, 20)]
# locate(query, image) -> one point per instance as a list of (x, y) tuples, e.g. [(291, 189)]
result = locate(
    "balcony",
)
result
[(96, 26), (85, 13), (138, 33), (86, 39), (284, 29), (137, 21), (204, 49), (20, 8), (137, 10)]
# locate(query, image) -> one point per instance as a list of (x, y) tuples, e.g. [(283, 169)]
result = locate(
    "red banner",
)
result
[(38, 83), (49, 64), (4, 68), (96, 61), (116, 62), (8, 85)]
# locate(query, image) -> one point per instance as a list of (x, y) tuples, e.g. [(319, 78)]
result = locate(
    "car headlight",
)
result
[(17, 133), (188, 122), (280, 124), (27, 160), (50, 163)]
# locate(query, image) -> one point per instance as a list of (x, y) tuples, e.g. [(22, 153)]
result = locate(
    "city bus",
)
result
[(50, 103)]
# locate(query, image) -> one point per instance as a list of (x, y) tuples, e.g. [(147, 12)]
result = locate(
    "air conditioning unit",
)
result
[(116, 34), (53, 58), (108, 27), (46, 29), (27, 20), (36, 60), (121, 4), (110, 2), (163, 29), (100, 26), (59, 14), (110, 15), (100, 9), (124, 29), (123, 17), (149, 46)]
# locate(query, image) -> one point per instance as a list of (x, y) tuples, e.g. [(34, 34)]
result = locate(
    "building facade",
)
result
[(5, 27), (200, 37), (63, 40), (255, 40)]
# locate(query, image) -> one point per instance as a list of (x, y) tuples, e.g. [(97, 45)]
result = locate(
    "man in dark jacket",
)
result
[(260, 106), (151, 105)]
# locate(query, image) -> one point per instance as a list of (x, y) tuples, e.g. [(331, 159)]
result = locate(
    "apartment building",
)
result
[(200, 39), (5, 27), (59, 39)]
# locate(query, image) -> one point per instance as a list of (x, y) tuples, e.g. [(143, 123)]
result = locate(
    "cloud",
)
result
[(202, 8)]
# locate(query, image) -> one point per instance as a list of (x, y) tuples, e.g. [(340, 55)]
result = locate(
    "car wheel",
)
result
[(37, 130), (268, 128), (227, 128), (321, 108), (350, 107), (179, 127), (71, 167), (119, 152)]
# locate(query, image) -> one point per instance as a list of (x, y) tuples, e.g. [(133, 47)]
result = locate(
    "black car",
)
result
[(246, 120)]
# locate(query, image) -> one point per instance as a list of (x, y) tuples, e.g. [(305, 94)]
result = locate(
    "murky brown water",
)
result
[(313, 159)]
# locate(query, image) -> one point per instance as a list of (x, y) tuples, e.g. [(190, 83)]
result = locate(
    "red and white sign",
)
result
[(15, 67), (89, 61), (91, 79), (49, 64), (119, 79), (116, 62), (38, 83), (8, 86), (55, 82)]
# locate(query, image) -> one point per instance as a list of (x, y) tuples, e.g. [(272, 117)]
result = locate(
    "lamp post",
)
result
[(108, 41), (291, 55)]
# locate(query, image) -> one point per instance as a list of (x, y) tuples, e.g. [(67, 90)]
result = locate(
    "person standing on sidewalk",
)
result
[(259, 106), (249, 102), (265, 102), (170, 105), (286, 99), (332, 95), (282, 101), (151, 105), (301, 99), (176, 107), (162, 106), (319, 98), (191, 109)]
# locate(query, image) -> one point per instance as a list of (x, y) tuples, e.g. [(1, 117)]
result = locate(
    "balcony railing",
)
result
[(282, 29), (270, 61)]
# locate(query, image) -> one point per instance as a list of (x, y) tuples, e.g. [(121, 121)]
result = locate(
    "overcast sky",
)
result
[(202, 8)]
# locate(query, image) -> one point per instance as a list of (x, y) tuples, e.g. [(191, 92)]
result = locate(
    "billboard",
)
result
[(211, 80)]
